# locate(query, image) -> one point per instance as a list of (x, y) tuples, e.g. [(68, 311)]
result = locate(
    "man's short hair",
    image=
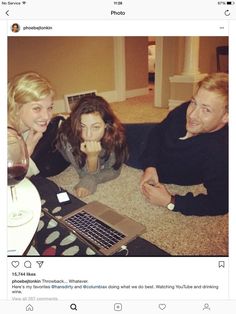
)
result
[(218, 83)]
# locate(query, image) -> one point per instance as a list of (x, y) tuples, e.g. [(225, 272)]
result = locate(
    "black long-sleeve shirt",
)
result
[(199, 159)]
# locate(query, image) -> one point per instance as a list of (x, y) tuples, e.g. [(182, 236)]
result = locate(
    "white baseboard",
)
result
[(187, 77), (137, 92), (110, 96)]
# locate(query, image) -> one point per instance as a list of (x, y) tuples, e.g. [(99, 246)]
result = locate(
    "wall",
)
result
[(207, 52), (75, 64), (136, 57), (72, 64)]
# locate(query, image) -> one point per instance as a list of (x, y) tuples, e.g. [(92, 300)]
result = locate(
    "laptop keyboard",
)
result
[(95, 230)]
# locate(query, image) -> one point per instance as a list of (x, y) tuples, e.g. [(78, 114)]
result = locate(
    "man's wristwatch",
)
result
[(171, 205)]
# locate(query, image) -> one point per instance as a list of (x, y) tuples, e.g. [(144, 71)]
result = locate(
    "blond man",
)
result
[(191, 147)]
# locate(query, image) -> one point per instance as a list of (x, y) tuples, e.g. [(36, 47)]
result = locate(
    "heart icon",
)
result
[(162, 306), (15, 263)]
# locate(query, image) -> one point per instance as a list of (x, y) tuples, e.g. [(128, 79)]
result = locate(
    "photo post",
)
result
[(118, 186)]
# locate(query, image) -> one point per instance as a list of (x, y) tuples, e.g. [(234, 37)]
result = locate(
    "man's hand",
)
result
[(149, 176), (32, 140), (156, 195)]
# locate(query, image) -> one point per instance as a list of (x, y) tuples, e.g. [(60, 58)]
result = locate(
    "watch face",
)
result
[(170, 206)]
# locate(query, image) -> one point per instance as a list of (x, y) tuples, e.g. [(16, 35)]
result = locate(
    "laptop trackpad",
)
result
[(111, 217)]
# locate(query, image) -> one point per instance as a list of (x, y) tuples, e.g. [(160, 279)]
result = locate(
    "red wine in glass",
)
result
[(15, 174)]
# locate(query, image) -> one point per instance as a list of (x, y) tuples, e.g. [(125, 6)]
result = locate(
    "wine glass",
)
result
[(17, 167)]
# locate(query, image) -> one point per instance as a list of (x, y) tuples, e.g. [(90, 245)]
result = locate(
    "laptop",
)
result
[(102, 228)]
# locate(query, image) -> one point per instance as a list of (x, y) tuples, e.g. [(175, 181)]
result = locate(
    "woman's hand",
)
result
[(82, 192), (92, 150), (32, 140)]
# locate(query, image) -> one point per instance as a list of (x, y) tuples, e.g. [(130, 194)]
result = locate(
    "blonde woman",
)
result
[(30, 105)]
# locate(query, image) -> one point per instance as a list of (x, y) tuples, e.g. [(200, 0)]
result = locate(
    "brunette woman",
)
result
[(92, 139)]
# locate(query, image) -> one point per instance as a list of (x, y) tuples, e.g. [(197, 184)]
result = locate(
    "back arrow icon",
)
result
[(7, 12)]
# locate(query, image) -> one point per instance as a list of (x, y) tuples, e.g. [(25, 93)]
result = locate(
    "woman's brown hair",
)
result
[(113, 140)]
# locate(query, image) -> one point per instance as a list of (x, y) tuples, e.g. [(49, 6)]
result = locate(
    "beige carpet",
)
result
[(138, 110), (173, 232)]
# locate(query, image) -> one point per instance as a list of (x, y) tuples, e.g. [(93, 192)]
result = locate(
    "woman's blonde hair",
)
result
[(25, 88)]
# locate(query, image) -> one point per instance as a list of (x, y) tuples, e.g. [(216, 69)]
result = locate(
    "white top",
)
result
[(20, 237)]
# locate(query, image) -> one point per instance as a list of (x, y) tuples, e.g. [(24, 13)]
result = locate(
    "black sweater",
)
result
[(199, 159)]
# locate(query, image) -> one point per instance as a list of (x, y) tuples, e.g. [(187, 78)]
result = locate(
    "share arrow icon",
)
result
[(39, 263)]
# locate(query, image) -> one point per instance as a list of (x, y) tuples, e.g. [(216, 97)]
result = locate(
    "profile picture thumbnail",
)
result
[(15, 28)]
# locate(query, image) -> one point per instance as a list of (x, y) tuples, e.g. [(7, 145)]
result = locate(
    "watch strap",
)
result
[(171, 205)]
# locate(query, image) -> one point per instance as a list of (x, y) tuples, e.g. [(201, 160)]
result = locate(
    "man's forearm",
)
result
[(201, 205)]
